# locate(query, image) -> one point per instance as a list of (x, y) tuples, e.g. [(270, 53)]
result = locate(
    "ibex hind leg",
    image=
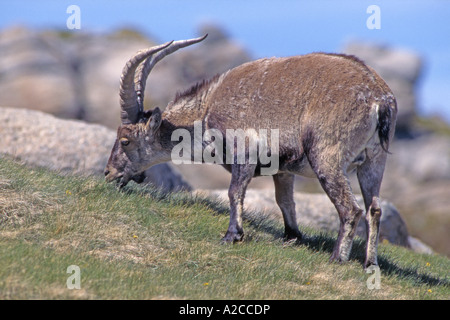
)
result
[(337, 186), (284, 195), (370, 174)]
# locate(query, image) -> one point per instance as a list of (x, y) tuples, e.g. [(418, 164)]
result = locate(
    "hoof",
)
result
[(232, 237), (293, 237), (335, 257), (368, 264)]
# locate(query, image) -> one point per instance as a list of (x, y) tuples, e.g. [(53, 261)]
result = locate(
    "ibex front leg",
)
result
[(284, 195), (241, 175)]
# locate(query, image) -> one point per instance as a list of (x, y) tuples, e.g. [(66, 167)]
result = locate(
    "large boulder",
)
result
[(69, 146)]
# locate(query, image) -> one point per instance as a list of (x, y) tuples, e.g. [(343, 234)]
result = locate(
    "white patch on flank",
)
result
[(377, 107)]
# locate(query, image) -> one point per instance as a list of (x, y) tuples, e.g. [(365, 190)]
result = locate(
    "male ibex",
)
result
[(333, 113)]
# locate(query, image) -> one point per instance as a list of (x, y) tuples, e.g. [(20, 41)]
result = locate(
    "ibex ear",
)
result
[(155, 121)]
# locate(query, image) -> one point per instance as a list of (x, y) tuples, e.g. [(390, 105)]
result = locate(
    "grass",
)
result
[(140, 244)]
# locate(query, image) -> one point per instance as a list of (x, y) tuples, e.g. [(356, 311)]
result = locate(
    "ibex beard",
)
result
[(325, 115)]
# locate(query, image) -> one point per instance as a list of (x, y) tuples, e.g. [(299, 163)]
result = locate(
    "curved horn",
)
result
[(128, 97), (146, 67)]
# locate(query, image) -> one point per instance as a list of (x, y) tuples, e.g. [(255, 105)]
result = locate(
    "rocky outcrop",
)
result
[(76, 75), (69, 146)]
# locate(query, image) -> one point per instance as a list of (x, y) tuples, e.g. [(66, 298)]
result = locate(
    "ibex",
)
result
[(333, 113)]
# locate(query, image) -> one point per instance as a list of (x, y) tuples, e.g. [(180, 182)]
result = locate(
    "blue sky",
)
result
[(271, 28)]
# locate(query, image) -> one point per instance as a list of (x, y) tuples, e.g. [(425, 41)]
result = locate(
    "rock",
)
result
[(76, 74), (400, 69), (69, 146), (317, 211), (418, 246), (417, 179), (68, 74), (428, 156), (392, 226), (32, 76)]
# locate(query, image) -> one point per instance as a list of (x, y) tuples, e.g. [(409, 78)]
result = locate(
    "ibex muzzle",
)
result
[(333, 113)]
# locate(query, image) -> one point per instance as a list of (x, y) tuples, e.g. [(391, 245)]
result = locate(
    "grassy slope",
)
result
[(138, 244)]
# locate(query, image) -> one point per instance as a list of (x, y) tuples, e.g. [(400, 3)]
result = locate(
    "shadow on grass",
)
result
[(325, 243), (319, 242)]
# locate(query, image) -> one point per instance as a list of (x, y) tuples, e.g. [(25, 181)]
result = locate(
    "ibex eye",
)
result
[(124, 141)]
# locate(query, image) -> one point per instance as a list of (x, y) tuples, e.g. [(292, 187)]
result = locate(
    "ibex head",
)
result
[(138, 145)]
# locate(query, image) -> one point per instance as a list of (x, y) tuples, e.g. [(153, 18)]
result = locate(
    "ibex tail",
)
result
[(386, 122)]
